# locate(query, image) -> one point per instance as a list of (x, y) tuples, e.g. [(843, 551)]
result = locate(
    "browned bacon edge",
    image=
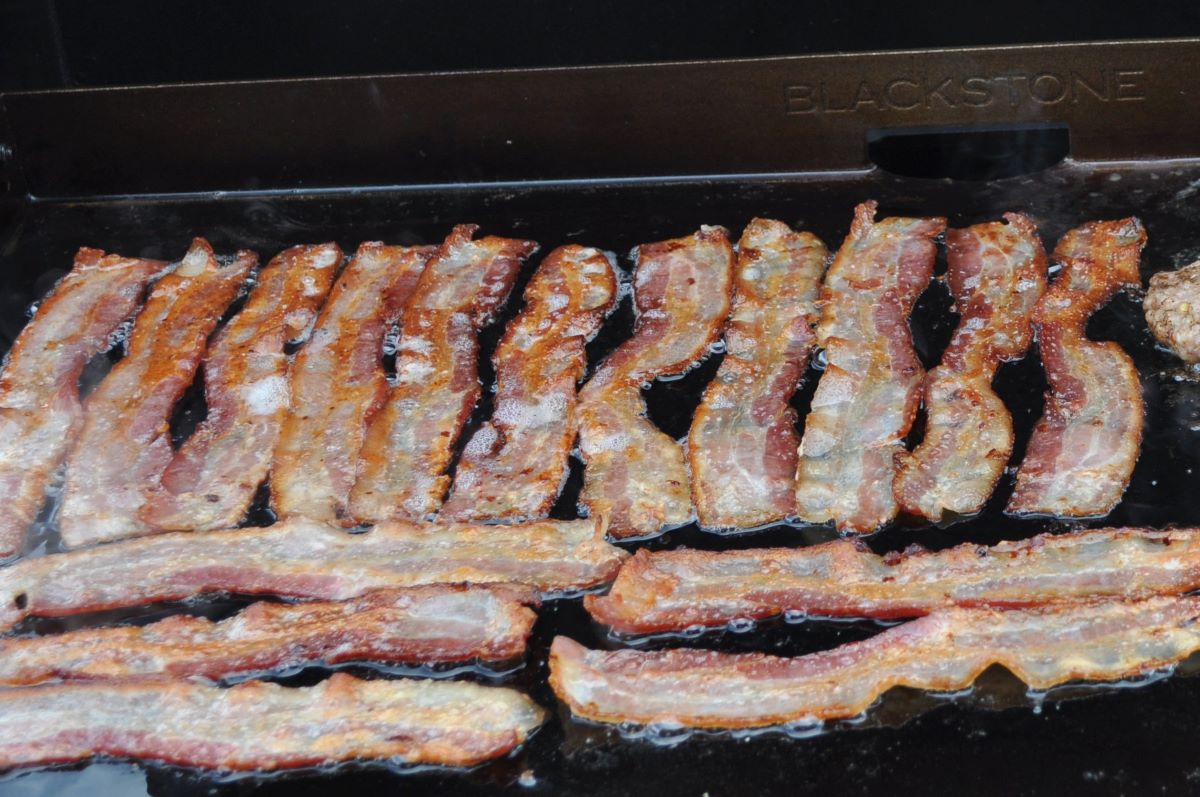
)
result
[(515, 465), (946, 651), (636, 475), (125, 442), (264, 726), (1084, 447), (338, 383), (419, 625), (410, 441), (40, 411), (211, 480), (672, 590), (742, 443), (997, 273), (299, 558)]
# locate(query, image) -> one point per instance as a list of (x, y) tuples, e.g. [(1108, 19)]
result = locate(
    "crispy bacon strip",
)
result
[(946, 651), (257, 725), (636, 475), (410, 442), (671, 590), (514, 466), (867, 398), (997, 273), (303, 559), (1086, 443), (40, 412), (338, 383), (420, 625), (742, 445), (125, 442), (211, 481)]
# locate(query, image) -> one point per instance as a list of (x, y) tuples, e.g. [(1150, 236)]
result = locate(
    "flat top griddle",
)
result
[(996, 738)]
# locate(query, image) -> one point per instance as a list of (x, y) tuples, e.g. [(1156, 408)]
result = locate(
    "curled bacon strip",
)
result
[(257, 725), (867, 398), (211, 481), (742, 445), (410, 442), (125, 442), (946, 651), (997, 273), (420, 625), (303, 559), (514, 466), (671, 590), (636, 475), (338, 383), (1086, 443), (40, 412)]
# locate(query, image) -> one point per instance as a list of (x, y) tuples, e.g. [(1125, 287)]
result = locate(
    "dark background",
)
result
[(52, 43)]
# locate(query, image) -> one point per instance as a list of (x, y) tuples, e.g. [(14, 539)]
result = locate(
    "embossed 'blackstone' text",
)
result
[(932, 92)]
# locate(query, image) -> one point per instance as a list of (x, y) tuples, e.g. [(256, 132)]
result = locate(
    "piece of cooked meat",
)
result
[(946, 651), (1083, 450), (658, 591), (415, 625), (300, 558), (868, 397), (742, 447), (997, 274), (264, 726), (1172, 309)]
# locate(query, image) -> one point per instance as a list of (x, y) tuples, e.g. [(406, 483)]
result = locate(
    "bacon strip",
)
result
[(125, 442), (997, 273), (671, 590), (211, 481), (257, 725), (514, 466), (636, 475), (410, 442), (40, 412), (1086, 443), (419, 626), (338, 383), (946, 651), (742, 445), (867, 398), (303, 559)]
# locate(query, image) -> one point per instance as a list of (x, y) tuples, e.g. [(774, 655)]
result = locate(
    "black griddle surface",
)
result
[(996, 739)]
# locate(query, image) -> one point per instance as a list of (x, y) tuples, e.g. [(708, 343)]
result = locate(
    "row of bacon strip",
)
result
[(398, 594), (342, 445), (1097, 605), (745, 466), (851, 466)]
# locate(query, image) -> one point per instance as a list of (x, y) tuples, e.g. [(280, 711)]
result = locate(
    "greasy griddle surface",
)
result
[(998, 739)]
